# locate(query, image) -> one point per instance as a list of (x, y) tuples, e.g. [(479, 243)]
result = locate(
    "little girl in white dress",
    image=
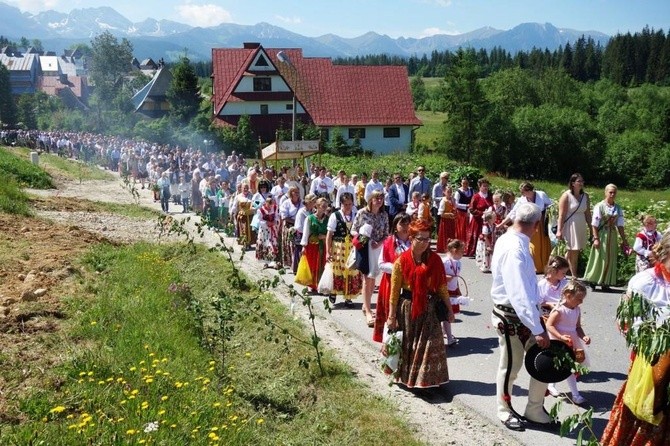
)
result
[(565, 324)]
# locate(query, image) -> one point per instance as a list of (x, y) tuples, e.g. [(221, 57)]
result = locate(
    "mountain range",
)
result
[(170, 40)]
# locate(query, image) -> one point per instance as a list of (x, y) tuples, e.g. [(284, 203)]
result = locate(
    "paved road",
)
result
[(473, 363)]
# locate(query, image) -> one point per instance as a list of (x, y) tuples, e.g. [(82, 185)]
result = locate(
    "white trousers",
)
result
[(512, 352)]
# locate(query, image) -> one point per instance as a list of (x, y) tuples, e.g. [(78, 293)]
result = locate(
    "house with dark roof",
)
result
[(373, 103), (23, 70), (152, 100)]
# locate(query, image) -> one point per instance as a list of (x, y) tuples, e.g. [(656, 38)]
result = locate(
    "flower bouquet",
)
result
[(391, 351)]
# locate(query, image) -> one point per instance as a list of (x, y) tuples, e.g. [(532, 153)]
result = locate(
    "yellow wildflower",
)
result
[(57, 409)]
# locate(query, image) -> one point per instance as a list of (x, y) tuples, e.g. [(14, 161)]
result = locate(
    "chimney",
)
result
[(251, 45)]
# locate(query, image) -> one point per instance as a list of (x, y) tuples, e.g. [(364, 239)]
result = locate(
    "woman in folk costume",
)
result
[(463, 196), (314, 241), (373, 215), (288, 210), (447, 217), (267, 248), (243, 214), (418, 282), (607, 220), (394, 245), (624, 426), (480, 202), (346, 282), (540, 246)]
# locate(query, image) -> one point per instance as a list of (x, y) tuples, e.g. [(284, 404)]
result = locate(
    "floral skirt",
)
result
[(624, 428), (346, 282), (287, 244), (423, 358)]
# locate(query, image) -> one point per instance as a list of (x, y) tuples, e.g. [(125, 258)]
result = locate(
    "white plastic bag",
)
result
[(325, 285), (463, 301), (393, 344)]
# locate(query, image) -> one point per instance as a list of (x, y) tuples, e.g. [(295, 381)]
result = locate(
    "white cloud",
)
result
[(289, 20), (34, 6), (433, 31), (203, 15)]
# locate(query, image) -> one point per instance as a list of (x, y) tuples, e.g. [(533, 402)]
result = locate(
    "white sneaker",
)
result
[(452, 341), (553, 391)]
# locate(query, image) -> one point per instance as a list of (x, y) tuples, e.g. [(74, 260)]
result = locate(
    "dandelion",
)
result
[(161, 412), (164, 398), (260, 421), (145, 405), (142, 441), (57, 409), (94, 323), (212, 362), (134, 392), (217, 404), (90, 373), (131, 432), (133, 368), (149, 380), (247, 354), (173, 426), (151, 427), (82, 373), (178, 384)]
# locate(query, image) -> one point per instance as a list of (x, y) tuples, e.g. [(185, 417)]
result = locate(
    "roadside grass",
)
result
[(68, 168), (139, 360), (12, 198), (22, 170)]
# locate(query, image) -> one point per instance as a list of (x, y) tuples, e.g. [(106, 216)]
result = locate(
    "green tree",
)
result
[(418, 92), (466, 107), (628, 159), (241, 138), (110, 63), (8, 111), (27, 111), (183, 94)]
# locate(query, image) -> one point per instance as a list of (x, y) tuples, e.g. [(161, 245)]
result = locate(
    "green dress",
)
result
[(602, 266)]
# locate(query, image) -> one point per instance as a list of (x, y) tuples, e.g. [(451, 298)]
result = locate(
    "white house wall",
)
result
[(374, 139)]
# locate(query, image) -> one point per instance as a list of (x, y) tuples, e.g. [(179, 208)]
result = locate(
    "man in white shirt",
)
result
[(373, 185), (516, 317), (322, 186)]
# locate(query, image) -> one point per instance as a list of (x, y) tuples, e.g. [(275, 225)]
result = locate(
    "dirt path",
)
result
[(435, 417)]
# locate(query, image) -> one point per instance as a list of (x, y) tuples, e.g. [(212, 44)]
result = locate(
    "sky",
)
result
[(395, 18)]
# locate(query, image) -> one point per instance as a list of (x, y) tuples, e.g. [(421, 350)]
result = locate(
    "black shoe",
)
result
[(348, 304), (593, 286), (332, 298), (513, 423), (606, 288)]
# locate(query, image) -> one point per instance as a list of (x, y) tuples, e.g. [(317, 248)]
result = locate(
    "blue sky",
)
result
[(396, 18)]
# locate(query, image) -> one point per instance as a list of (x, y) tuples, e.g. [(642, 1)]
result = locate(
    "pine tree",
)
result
[(183, 94)]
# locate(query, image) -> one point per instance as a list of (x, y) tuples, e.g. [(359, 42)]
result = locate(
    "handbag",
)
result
[(639, 394), (325, 285), (303, 274), (351, 259)]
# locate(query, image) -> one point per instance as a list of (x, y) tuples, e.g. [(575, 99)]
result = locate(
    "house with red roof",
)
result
[(371, 102)]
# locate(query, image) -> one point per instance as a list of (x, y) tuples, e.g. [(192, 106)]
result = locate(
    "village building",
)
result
[(276, 86)]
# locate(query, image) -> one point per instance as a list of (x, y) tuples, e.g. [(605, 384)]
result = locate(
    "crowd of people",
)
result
[(340, 233)]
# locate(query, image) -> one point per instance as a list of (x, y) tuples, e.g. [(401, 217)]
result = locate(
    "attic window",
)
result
[(262, 61), (262, 84)]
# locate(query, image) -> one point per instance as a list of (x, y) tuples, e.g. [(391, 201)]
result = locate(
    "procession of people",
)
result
[(361, 233)]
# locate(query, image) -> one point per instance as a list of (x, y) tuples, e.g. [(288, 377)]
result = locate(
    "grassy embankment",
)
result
[(139, 358)]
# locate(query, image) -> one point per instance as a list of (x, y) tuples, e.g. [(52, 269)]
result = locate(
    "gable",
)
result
[(332, 95)]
